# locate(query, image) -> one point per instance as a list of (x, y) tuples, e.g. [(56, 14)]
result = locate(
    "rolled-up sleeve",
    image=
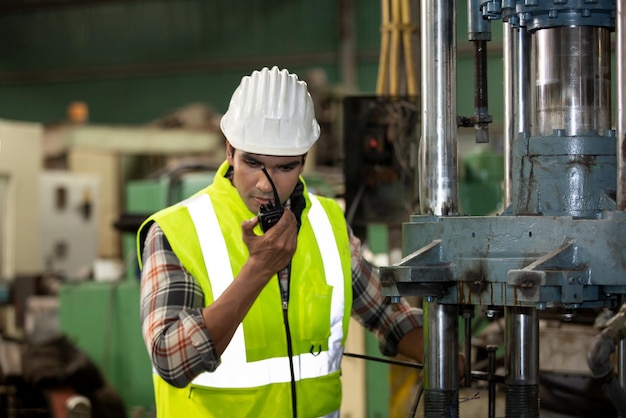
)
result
[(173, 328), (389, 322)]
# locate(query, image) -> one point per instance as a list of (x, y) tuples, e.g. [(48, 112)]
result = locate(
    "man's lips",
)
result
[(262, 201)]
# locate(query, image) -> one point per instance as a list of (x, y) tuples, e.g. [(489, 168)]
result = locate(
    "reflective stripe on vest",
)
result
[(234, 371)]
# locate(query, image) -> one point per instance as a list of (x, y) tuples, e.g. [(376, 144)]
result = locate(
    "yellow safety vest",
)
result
[(254, 379)]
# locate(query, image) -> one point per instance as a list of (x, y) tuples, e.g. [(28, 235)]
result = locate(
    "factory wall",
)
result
[(133, 62)]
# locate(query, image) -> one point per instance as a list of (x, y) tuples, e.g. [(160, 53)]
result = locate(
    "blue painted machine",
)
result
[(561, 241)]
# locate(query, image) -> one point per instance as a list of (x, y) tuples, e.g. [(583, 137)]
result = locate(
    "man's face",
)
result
[(253, 186)]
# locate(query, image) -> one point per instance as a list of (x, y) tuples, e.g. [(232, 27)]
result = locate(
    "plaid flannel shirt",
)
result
[(178, 342)]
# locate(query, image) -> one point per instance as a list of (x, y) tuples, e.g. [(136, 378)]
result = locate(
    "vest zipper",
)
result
[(284, 284)]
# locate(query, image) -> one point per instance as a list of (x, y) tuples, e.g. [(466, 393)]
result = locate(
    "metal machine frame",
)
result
[(561, 241)]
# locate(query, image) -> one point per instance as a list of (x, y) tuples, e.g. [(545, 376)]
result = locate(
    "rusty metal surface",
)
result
[(541, 261)]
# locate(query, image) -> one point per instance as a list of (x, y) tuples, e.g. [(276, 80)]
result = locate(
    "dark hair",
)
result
[(232, 154)]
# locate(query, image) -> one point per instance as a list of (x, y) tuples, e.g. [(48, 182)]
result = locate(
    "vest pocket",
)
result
[(320, 396), (223, 403), (272, 400), (312, 326), (263, 325)]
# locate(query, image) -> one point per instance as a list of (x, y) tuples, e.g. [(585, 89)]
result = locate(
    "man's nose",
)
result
[(263, 184)]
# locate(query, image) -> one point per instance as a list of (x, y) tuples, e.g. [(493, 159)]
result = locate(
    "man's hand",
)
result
[(269, 253), (272, 251)]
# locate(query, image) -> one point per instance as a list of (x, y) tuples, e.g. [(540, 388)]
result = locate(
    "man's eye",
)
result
[(252, 163)]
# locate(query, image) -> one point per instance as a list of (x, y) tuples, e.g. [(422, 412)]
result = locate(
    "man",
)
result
[(242, 322)]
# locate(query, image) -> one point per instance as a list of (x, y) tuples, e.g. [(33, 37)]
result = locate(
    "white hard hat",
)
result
[(271, 113)]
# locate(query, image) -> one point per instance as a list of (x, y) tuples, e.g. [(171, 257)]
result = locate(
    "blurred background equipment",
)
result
[(69, 214), (380, 137), (480, 163)]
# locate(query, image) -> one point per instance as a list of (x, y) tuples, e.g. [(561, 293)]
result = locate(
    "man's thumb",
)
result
[(248, 226)]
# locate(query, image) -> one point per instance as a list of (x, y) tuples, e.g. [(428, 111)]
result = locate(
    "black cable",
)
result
[(418, 396), (382, 360), (478, 375), (420, 388)]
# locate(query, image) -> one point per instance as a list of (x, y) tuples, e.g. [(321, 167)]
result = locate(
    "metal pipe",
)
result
[(510, 113), (522, 80), (573, 80), (521, 63), (438, 150), (491, 354), (439, 193), (479, 33), (522, 362), (481, 117), (441, 361), (621, 355), (468, 314), (620, 56), (184, 67)]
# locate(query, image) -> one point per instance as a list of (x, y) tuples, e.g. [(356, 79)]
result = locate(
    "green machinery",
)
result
[(102, 318)]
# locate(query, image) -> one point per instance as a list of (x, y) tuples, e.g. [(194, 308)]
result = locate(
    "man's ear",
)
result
[(230, 153), (303, 162)]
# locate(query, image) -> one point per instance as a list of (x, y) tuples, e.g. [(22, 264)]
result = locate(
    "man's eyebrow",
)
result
[(295, 163), (248, 156), (291, 164)]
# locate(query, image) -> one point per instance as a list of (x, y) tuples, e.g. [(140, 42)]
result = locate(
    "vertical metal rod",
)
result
[(441, 360), (522, 79), (481, 98), (468, 314), (438, 144), (479, 33), (491, 354), (510, 112), (621, 356), (439, 193), (620, 55), (522, 362), (521, 62), (481, 117)]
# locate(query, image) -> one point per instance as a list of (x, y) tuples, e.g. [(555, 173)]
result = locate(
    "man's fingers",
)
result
[(287, 219), (248, 226)]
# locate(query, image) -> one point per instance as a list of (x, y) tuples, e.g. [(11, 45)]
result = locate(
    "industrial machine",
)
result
[(380, 135), (69, 222), (116, 346), (559, 243)]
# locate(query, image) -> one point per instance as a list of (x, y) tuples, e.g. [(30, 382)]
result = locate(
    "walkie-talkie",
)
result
[(270, 214)]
